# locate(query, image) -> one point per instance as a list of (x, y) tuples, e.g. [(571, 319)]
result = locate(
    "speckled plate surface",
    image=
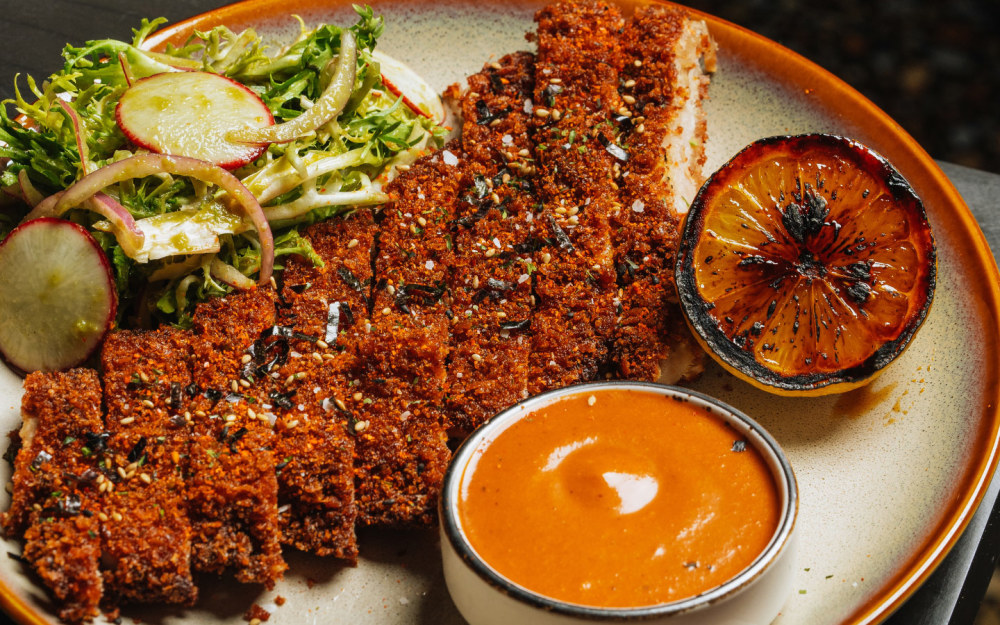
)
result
[(888, 475)]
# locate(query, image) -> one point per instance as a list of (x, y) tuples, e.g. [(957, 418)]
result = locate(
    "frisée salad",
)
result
[(193, 169)]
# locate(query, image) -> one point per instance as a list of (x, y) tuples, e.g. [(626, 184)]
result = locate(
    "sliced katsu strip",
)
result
[(493, 232), (316, 441), (232, 487), (146, 536), (576, 106), (146, 533), (401, 443), (669, 56), (56, 499)]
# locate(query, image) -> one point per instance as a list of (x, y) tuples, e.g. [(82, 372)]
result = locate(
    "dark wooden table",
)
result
[(33, 32)]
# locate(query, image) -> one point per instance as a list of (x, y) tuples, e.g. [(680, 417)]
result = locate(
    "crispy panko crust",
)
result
[(534, 252)]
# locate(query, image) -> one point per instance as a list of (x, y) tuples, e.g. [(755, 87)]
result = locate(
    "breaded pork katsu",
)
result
[(533, 252)]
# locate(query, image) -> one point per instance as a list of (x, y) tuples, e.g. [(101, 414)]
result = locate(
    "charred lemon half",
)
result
[(806, 264)]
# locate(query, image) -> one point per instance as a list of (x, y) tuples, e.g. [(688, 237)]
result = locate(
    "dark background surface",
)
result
[(933, 66)]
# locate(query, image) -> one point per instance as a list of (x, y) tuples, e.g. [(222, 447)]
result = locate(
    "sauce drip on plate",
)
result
[(619, 499)]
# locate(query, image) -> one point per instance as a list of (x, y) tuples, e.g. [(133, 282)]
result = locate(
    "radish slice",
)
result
[(190, 114), (327, 107), (403, 82), (149, 164), (56, 307)]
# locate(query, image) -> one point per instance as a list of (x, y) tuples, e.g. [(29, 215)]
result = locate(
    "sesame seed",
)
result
[(556, 81), (561, 210), (494, 122), (637, 63), (495, 198), (477, 357), (147, 403), (251, 413), (421, 221), (502, 314), (117, 516), (386, 310), (132, 467), (506, 177), (322, 345), (546, 258), (246, 358), (574, 210), (629, 84), (289, 379), (641, 128), (229, 418), (495, 65), (145, 478), (403, 168), (360, 426), (556, 114), (391, 290), (175, 456), (254, 621), (292, 424), (127, 420), (328, 356), (591, 400), (574, 220), (542, 113), (200, 413), (144, 377), (524, 152), (357, 396), (340, 403), (103, 517), (628, 99), (300, 375), (413, 228), (317, 357), (245, 383), (122, 473), (624, 112), (235, 386), (352, 243)]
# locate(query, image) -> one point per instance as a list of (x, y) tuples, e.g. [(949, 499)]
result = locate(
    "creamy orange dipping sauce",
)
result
[(628, 500)]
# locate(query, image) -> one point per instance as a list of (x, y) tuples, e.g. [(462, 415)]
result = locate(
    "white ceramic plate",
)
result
[(888, 475)]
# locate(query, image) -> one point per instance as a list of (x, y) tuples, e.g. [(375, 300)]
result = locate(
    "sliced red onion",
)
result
[(126, 230), (144, 165), (327, 107), (81, 143), (230, 275), (126, 70), (129, 236), (30, 194)]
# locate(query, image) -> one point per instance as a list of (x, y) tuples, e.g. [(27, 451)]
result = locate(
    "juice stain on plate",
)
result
[(863, 400)]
